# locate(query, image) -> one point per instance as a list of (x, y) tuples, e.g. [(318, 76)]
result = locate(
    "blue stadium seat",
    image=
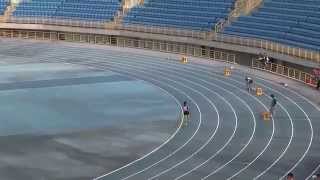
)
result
[(293, 22), (3, 6), (87, 10), (187, 14)]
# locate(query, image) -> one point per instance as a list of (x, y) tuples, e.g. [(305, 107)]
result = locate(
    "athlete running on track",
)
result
[(185, 112)]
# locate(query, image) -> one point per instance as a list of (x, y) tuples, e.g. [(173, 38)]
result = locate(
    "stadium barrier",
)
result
[(283, 49), (155, 45), (285, 71), (269, 46)]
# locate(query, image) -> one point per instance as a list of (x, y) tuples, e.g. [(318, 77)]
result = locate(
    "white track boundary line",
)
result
[(229, 139), (303, 112), (260, 101), (156, 149), (226, 144), (307, 117), (310, 124), (134, 67), (305, 153), (180, 146), (204, 145), (308, 101)]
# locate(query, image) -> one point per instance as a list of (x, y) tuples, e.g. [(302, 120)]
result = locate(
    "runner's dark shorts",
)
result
[(186, 112)]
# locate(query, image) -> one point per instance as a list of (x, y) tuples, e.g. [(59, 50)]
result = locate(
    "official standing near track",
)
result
[(273, 104)]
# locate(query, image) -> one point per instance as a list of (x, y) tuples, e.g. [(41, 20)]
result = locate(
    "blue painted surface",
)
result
[(51, 98)]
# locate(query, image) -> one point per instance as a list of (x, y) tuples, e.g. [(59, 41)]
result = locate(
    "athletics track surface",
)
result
[(226, 138)]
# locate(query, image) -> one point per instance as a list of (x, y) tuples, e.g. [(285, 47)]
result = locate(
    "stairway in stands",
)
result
[(9, 11), (126, 6), (3, 9)]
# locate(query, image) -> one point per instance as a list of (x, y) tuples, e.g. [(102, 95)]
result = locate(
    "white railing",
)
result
[(301, 53), (288, 72), (59, 22), (284, 49)]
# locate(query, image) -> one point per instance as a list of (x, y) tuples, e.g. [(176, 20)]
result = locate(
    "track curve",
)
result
[(226, 138)]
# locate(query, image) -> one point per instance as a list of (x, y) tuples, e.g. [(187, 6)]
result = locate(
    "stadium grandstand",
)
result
[(273, 43), (281, 21), (284, 21), (88, 10)]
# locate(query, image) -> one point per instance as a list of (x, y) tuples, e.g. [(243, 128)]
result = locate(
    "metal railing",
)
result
[(285, 71), (279, 48), (58, 22), (155, 45), (112, 26), (275, 47)]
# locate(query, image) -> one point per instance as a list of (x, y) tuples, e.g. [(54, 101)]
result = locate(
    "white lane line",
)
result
[(236, 87), (189, 139), (292, 136), (252, 135), (211, 157), (288, 145), (185, 142), (273, 125), (313, 172), (272, 122), (104, 175), (209, 140), (211, 137), (310, 124), (286, 148)]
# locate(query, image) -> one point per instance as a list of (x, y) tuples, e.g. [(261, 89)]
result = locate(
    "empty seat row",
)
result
[(89, 10), (293, 22), (186, 14)]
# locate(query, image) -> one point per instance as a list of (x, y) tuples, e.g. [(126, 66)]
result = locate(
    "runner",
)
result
[(273, 104), (249, 83), (290, 176), (185, 112)]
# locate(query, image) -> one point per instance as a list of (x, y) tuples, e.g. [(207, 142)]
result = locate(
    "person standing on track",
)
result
[(249, 83), (273, 104), (186, 112), (290, 176)]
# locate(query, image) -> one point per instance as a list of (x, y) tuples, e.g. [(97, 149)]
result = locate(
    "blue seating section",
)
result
[(88, 10), (293, 22), (37, 8), (186, 14), (3, 6)]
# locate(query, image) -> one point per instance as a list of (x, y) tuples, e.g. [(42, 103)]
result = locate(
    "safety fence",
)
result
[(299, 53), (279, 48), (288, 72), (155, 45)]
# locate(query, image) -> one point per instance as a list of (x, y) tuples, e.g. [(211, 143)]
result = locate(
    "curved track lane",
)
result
[(226, 137)]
